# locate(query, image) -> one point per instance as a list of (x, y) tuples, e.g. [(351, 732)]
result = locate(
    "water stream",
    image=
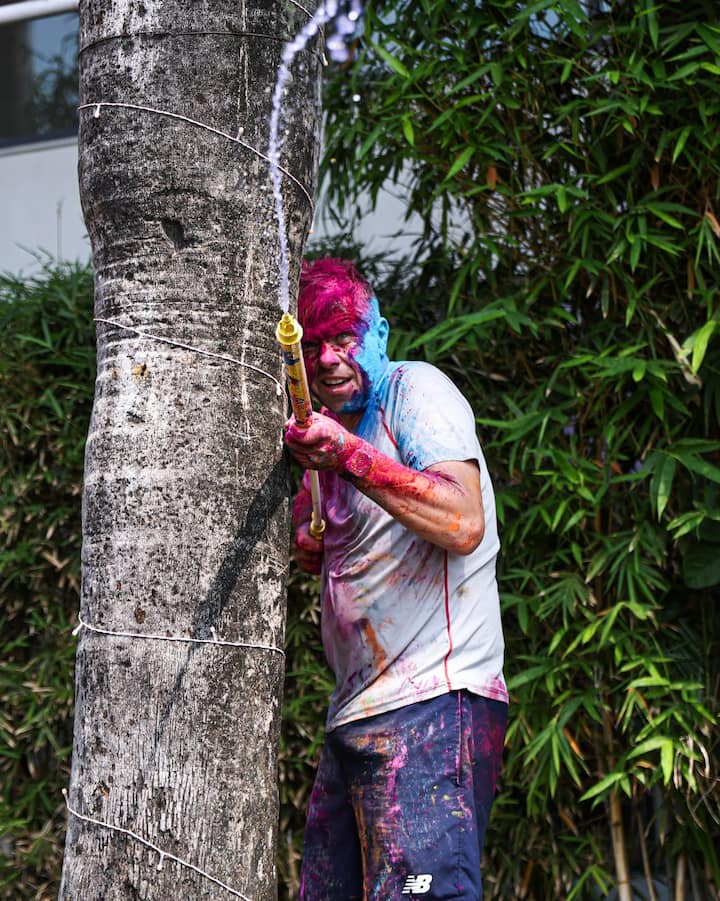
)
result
[(344, 16)]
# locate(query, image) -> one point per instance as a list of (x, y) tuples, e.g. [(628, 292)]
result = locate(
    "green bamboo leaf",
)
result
[(562, 200), (650, 744), (452, 111), (697, 464), (667, 760), (578, 516), (528, 675), (573, 271), (658, 211), (689, 53), (371, 140), (686, 523), (451, 329), (615, 174), (460, 161), (650, 682), (49, 396), (408, 131), (700, 345), (711, 36), (33, 339), (602, 786), (391, 60), (684, 71), (657, 402), (684, 135), (652, 22), (533, 9), (469, 80), (674, 249), (661, 484)]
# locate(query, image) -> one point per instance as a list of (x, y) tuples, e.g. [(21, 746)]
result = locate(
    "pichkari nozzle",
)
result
[(289, 330)]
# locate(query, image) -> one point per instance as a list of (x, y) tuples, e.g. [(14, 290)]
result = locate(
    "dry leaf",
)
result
[(655, 177), (714, 224)]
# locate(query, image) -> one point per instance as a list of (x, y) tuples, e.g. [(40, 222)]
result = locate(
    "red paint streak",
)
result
[(447, 622), (387, 430), (388, 473)]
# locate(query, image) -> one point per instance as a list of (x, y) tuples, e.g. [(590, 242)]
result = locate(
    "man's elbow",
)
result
[(468, 537)]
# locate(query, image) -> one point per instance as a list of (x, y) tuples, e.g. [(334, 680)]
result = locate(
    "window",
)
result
[(38, 79)]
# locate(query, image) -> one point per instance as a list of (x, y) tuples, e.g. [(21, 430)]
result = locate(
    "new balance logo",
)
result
[(417, 885)]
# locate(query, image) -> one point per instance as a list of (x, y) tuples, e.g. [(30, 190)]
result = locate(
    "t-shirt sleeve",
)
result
[(430, 419)]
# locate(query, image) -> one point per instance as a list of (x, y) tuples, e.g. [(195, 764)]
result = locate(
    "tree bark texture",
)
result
[(185, 515)]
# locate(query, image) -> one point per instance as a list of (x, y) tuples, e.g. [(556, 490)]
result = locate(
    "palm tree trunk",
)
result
[(185, 519)]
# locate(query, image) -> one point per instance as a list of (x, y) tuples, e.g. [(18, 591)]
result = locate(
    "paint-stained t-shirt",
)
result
[(402, 619)]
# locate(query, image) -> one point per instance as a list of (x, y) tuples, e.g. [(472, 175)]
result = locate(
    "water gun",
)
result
[(289, 334)]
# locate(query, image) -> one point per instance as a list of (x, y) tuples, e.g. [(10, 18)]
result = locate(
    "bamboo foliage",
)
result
[(562, 160)]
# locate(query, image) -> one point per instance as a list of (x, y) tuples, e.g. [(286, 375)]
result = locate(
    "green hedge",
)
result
[(46, 386)]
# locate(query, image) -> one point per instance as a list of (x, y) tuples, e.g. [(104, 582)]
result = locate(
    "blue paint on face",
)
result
[(370, 356)]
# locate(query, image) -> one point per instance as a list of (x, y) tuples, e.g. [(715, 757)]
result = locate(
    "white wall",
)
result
[(383, 231), (40, 205), (41, 214)]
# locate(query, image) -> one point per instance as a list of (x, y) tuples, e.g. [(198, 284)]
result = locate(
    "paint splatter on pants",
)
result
[(401, 802)]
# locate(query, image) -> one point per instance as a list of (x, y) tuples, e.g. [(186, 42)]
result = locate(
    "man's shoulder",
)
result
[(416, 377), (406, 372)]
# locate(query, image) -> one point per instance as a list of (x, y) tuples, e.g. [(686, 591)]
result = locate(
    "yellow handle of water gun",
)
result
[(289, 334)]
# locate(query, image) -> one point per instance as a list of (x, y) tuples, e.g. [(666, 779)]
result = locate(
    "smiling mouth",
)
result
[(334, 383)]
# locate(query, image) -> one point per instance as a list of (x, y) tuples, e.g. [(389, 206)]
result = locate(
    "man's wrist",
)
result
[(358, 460), (358, 464)]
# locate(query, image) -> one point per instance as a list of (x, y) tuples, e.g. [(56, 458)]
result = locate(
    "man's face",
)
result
[(344, 357)]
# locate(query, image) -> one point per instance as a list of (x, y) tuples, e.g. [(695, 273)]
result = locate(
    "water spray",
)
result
[(289, 333), (344, 16)]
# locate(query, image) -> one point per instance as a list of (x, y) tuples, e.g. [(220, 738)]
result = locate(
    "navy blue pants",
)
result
[(401, 802)]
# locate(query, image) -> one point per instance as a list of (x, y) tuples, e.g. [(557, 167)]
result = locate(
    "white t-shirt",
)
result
[(402, 619)]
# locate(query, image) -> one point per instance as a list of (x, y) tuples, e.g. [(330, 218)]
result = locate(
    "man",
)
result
[(410, 612)]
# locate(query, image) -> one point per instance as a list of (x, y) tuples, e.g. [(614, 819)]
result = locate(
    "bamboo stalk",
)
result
[(617, 829), (680, 874), (617, 834), (646, 861), (524, 885)]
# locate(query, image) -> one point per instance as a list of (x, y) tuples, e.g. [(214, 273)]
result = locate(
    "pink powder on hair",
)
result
[(333, 297)]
